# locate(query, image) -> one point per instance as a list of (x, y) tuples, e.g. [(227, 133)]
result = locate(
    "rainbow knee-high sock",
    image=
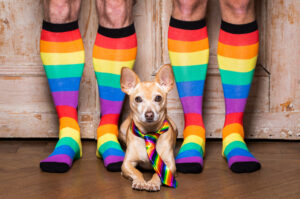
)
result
[(62, 54), (189, 52), (114, 49), (237, 55)]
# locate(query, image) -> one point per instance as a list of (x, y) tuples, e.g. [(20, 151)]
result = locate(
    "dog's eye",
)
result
[(158, 98), (138, 99)]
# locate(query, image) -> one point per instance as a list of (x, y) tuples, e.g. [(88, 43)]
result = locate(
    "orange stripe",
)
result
[(114, 54), (61, 47), (107, 128), (68, 122), (233, 128), (187, 46), (194, 130), (238, 52)]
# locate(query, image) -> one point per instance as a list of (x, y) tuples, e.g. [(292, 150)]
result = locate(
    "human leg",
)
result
[(115, 47), (237, 55), (189, 52), (62, 54)]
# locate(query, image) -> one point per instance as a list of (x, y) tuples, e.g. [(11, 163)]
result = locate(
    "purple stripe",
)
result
[(195, 159), (68, 98), (112, 159), (62, 158), (238, 158), (108, 107), (192, 104), (235, 105)]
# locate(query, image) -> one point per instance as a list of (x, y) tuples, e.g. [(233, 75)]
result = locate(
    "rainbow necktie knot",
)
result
[(158, 165)]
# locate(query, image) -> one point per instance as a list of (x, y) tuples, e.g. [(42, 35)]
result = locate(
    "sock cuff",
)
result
[(239, 28), (117, 32), (188, 25), (53, 27)]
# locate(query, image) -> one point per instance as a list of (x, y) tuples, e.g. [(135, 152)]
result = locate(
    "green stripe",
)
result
[(236, 78), (109, 145), (234, 145), (191, 146), (190, 73), (63, 71), (108, 79), (70, 142)]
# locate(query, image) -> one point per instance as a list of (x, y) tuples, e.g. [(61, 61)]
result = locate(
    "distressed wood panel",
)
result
[(283, 54), (27, 110)]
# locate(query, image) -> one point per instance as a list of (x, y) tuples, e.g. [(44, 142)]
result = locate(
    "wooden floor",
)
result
[(20, 176)]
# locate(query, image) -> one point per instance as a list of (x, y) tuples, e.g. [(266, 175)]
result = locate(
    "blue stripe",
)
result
[(236, 91), (64, 149), (193, 88), (239, 152), (64, 84), (112, 151), (110, 93), (189, 153)]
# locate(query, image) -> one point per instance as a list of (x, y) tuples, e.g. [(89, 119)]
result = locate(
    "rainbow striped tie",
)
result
[(158, 165)]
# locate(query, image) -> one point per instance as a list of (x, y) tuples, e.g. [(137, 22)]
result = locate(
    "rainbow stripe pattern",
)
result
[(166, 176), (113, 49), (62, 54), (189, 52), (237, 55)]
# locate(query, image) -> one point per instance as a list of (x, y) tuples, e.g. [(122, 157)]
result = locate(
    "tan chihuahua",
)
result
[(148, 102)]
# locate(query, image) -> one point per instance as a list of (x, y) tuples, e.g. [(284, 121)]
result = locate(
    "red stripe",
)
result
[(116, 43), (109, 119), (238, 39), (187, 35), (60, 36), (66, 111), (234, 118), (193, 119)]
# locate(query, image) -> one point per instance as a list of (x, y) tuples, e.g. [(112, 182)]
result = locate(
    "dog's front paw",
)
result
[(139, 185), (153, 184)]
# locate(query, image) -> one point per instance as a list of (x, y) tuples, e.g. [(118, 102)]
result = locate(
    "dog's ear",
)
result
[(128, 80), (165, 77)]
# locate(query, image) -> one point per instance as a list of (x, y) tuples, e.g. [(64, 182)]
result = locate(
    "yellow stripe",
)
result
[(105, 138), (72, 133), (114, 67), (195, 139), (187, 59), (63, 58), (237, 65), (231, 138)]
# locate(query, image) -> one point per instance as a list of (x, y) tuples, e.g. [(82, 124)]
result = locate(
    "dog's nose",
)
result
[(149, 115)]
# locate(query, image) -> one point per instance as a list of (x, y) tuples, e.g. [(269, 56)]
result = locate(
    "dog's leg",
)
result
[(154, 183), (169, 160), (129, 171)]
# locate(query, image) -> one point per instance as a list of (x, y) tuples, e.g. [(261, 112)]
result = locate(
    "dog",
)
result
[(148, 104)]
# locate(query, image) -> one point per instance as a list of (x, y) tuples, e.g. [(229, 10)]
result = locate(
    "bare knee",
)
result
[(189, 9), (238, 7), (238, 10), (115, 13), (61, 11)]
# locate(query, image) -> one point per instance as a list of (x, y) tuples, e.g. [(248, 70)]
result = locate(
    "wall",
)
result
[(27, 110)]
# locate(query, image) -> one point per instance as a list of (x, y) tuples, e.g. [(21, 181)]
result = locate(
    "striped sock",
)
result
[(114, 49), (237, 55), (62, 54), (189, 52)]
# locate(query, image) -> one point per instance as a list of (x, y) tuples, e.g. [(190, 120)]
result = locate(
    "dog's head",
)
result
[(148, 99)]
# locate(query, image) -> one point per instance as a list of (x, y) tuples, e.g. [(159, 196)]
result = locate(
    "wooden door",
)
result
[(27, 110)]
